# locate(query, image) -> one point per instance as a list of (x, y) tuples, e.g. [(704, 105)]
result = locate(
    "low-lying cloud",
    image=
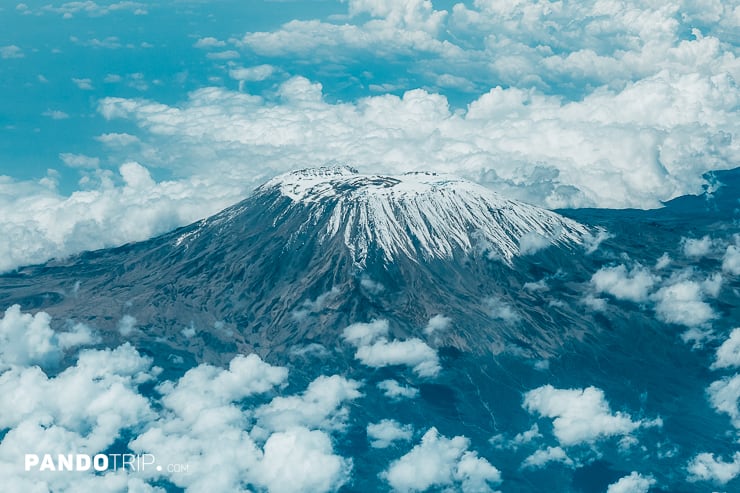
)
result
[(374, 349), (580, 415)]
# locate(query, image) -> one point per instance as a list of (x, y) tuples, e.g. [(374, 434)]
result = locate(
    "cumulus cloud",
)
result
[(527, 436), (437, 324), (632, 285), (256, 73), (127, 325), (697, 247), (394, 390), (724, 395), (705, 467), (540, 285), (728, 354), (440, 461), (387, 431), (580, 415), (375, 350), (204, 425), (27, 339), (209, 42), (84, 84), (731, 260), (199, 420), (635, 167), (543, 457), (85, 408), (595, 303), (79, 160), (361, 334), (39, 223), (500, 441), (214, 387), (411, 352), (404, 27), (320, 406), (300, 460), (682, 302), (634, 483), (115, 139)]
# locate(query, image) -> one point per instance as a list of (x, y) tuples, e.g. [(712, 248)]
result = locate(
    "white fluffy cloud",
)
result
[(542, 457), (724, 395), (199, 420), (634, 483), (394, 390), (84, 84), (731, 260), (728, 354), (440, 461), (682, 302), (256, 73), (633, 285), (204, 426), (362, 334), (27, 339), (39, 223), (375, 350), (209, 42), (320, 406), (387, 133), (299, 460), (411, 352), (246, 375), (697, 247), (705, 467), (437, 324), (387, 431), (79, 160), (84, 409), (580, 415)]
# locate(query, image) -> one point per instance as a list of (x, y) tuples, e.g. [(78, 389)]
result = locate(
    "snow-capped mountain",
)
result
[(417, 215)]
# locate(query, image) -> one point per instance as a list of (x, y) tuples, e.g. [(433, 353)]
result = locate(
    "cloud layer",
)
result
[(280, 444)]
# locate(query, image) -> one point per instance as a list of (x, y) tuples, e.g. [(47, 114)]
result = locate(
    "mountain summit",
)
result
[(417, 215)]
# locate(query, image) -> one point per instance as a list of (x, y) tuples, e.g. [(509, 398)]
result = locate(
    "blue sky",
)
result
[(121, 120)]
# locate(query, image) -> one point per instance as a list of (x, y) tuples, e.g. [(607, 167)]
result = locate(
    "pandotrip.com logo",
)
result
[(99, 463)]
